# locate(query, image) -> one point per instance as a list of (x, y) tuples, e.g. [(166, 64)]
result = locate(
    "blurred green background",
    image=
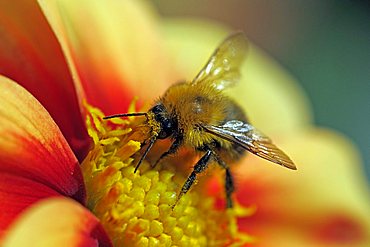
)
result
[(324, 44)]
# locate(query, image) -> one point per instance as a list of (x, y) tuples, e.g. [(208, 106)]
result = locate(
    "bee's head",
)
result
[(159, 120), (168, 124)]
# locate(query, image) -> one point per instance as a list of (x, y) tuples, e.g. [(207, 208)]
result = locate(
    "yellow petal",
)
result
[(329, 168), (326, 201), (56, 222), (113, 49), (271, 97)]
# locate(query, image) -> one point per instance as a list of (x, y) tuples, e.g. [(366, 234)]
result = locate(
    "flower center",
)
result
[(140, 209)]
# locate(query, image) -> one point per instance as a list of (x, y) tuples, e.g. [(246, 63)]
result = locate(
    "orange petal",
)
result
[(113, 50), (324, 203), (17, 193), (56, 222), (33, 148), (272, 98), (30, 54)]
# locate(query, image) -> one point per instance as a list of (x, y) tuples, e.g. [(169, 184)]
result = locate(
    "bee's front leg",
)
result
[(199, 167)]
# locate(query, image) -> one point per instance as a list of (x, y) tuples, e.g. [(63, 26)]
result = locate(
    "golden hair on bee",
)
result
[(197, 114)]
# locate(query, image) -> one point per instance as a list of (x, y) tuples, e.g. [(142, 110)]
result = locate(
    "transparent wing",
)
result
[(223, 68), (252, 140)]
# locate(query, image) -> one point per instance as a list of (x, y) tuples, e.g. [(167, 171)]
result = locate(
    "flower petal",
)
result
[(17, 193), (325, 202), (272, 98), (56, 222), (113, 50), (30, 54), (33, 148)]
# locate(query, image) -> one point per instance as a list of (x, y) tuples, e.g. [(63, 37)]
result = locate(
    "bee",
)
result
[(197, 114)]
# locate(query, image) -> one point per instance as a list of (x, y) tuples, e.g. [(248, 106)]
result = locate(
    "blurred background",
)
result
[(325, 44)]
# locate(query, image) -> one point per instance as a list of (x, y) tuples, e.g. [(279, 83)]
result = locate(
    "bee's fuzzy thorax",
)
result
[(194, 106)]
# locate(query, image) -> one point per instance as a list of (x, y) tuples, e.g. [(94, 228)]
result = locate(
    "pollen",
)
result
[(141, 208)]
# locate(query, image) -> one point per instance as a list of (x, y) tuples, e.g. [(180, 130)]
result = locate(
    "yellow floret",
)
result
[(138, 209)]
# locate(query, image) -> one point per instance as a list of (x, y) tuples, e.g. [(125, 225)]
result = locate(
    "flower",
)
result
[(103, 53)]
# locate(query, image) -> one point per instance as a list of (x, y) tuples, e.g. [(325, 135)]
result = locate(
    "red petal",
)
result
[(338, 228), (17, 193), (32, 147), (31, 55), (56, 222)]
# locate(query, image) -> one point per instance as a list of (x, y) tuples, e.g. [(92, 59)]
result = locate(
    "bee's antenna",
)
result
[(145, 153), (126, 115)]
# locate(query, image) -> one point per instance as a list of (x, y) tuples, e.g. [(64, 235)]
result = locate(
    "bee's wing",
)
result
[(252, 140), (223, 68)]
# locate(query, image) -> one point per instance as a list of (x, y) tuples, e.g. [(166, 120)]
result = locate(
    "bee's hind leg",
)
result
[(199, 167), (229, 181), (229, 187)]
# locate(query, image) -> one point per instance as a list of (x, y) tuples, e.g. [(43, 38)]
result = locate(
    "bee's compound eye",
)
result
[(157, 109), (167, 124), (166, 129)]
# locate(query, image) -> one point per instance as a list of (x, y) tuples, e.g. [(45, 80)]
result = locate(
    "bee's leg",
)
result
[(151, 143), (173, 149), (229, 181), (199, 167), (229, 187)]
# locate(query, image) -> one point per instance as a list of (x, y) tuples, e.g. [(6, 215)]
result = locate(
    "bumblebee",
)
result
[(197, 114)]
